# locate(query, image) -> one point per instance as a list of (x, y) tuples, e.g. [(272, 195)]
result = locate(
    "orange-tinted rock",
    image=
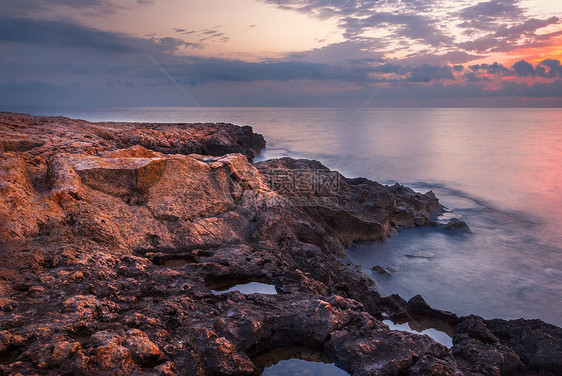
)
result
[(143, 349), (113, 234)]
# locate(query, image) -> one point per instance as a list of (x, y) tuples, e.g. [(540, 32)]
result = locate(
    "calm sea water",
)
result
[(500, 170)]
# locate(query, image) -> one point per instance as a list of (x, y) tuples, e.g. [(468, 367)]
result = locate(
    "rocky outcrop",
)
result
[(113, 235), (348, 209), (45, 135)]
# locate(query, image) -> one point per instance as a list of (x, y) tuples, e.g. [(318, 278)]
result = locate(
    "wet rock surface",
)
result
[(113, 235)]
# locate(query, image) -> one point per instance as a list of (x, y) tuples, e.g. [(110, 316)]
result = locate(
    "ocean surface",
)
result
[(500, 170)]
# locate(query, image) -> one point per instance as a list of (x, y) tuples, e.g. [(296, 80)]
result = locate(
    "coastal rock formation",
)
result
[(114, 235)]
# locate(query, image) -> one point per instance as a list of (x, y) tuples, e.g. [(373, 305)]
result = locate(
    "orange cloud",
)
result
[(553, 50)]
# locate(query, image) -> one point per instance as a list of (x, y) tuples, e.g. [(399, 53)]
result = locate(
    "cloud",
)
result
[(412, 26), (19, 8), (494, 68), (427, 73), (484, 14), (549, 68), (62, 34), (411, 20), (452, 57), (535, 90), (527, 28), (502, 26), (401, 27), (82, 65), (343, 52), (524, 69), (555, 69), (199, 71)]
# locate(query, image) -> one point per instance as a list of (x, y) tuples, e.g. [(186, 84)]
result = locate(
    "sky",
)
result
[(312, 53)]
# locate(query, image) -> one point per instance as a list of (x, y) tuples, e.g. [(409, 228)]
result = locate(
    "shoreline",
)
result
[(92, 212)]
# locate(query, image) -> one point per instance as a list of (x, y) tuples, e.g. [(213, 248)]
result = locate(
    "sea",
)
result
[(499, 170)]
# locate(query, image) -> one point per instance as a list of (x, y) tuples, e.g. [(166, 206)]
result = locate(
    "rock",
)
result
[(64, 350), (457, 225), (120, 177), (417, 309), (143, 349), (536, 343), (352, 209), (474, 327), (379, 269), (112, 236), (478, 351)]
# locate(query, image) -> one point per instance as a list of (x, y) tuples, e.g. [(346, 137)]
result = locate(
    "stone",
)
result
[(143, 349), (455, 224), (113, 235), (381, 270)]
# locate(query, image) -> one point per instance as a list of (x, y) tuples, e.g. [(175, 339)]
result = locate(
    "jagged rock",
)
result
[(113, 234), (456, 224), (356, 209), (478, 351), (143, 349), (536, 343)]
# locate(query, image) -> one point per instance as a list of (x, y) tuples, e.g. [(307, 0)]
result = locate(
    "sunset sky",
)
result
[(281, 52)]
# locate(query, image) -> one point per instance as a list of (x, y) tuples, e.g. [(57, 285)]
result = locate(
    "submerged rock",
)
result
[(381, 270), (112, 236)]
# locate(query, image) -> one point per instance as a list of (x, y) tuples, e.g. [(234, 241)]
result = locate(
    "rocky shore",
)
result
[(114, 236)]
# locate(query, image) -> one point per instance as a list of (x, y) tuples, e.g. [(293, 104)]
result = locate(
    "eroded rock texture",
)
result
[(112, 235)]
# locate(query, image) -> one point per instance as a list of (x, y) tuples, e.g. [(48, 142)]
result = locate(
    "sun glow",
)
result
[(245, 29)]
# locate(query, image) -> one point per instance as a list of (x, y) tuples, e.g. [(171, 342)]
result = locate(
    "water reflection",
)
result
[(296, 360), (245, 288), (440, 333)]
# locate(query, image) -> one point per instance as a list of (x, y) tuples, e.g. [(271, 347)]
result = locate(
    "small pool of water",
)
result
[(437, 335), (296, 361), (295, 367), (173, 260), (248, 288)]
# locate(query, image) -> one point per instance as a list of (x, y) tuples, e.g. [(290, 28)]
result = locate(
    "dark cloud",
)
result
[(170, 43), (535, 90), (343, 52), (527, 28), (62, 34), (474, 77), (508, 39), (201, 71), (486, 44), (19, 8), (82, 65), (391, 68), (494, 68), (428, 73), (549, 68), (492, 10), (403, 18), (501, 26), (412, 26), (524, 69), (554, 68), (116, 58), (452, 57)]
